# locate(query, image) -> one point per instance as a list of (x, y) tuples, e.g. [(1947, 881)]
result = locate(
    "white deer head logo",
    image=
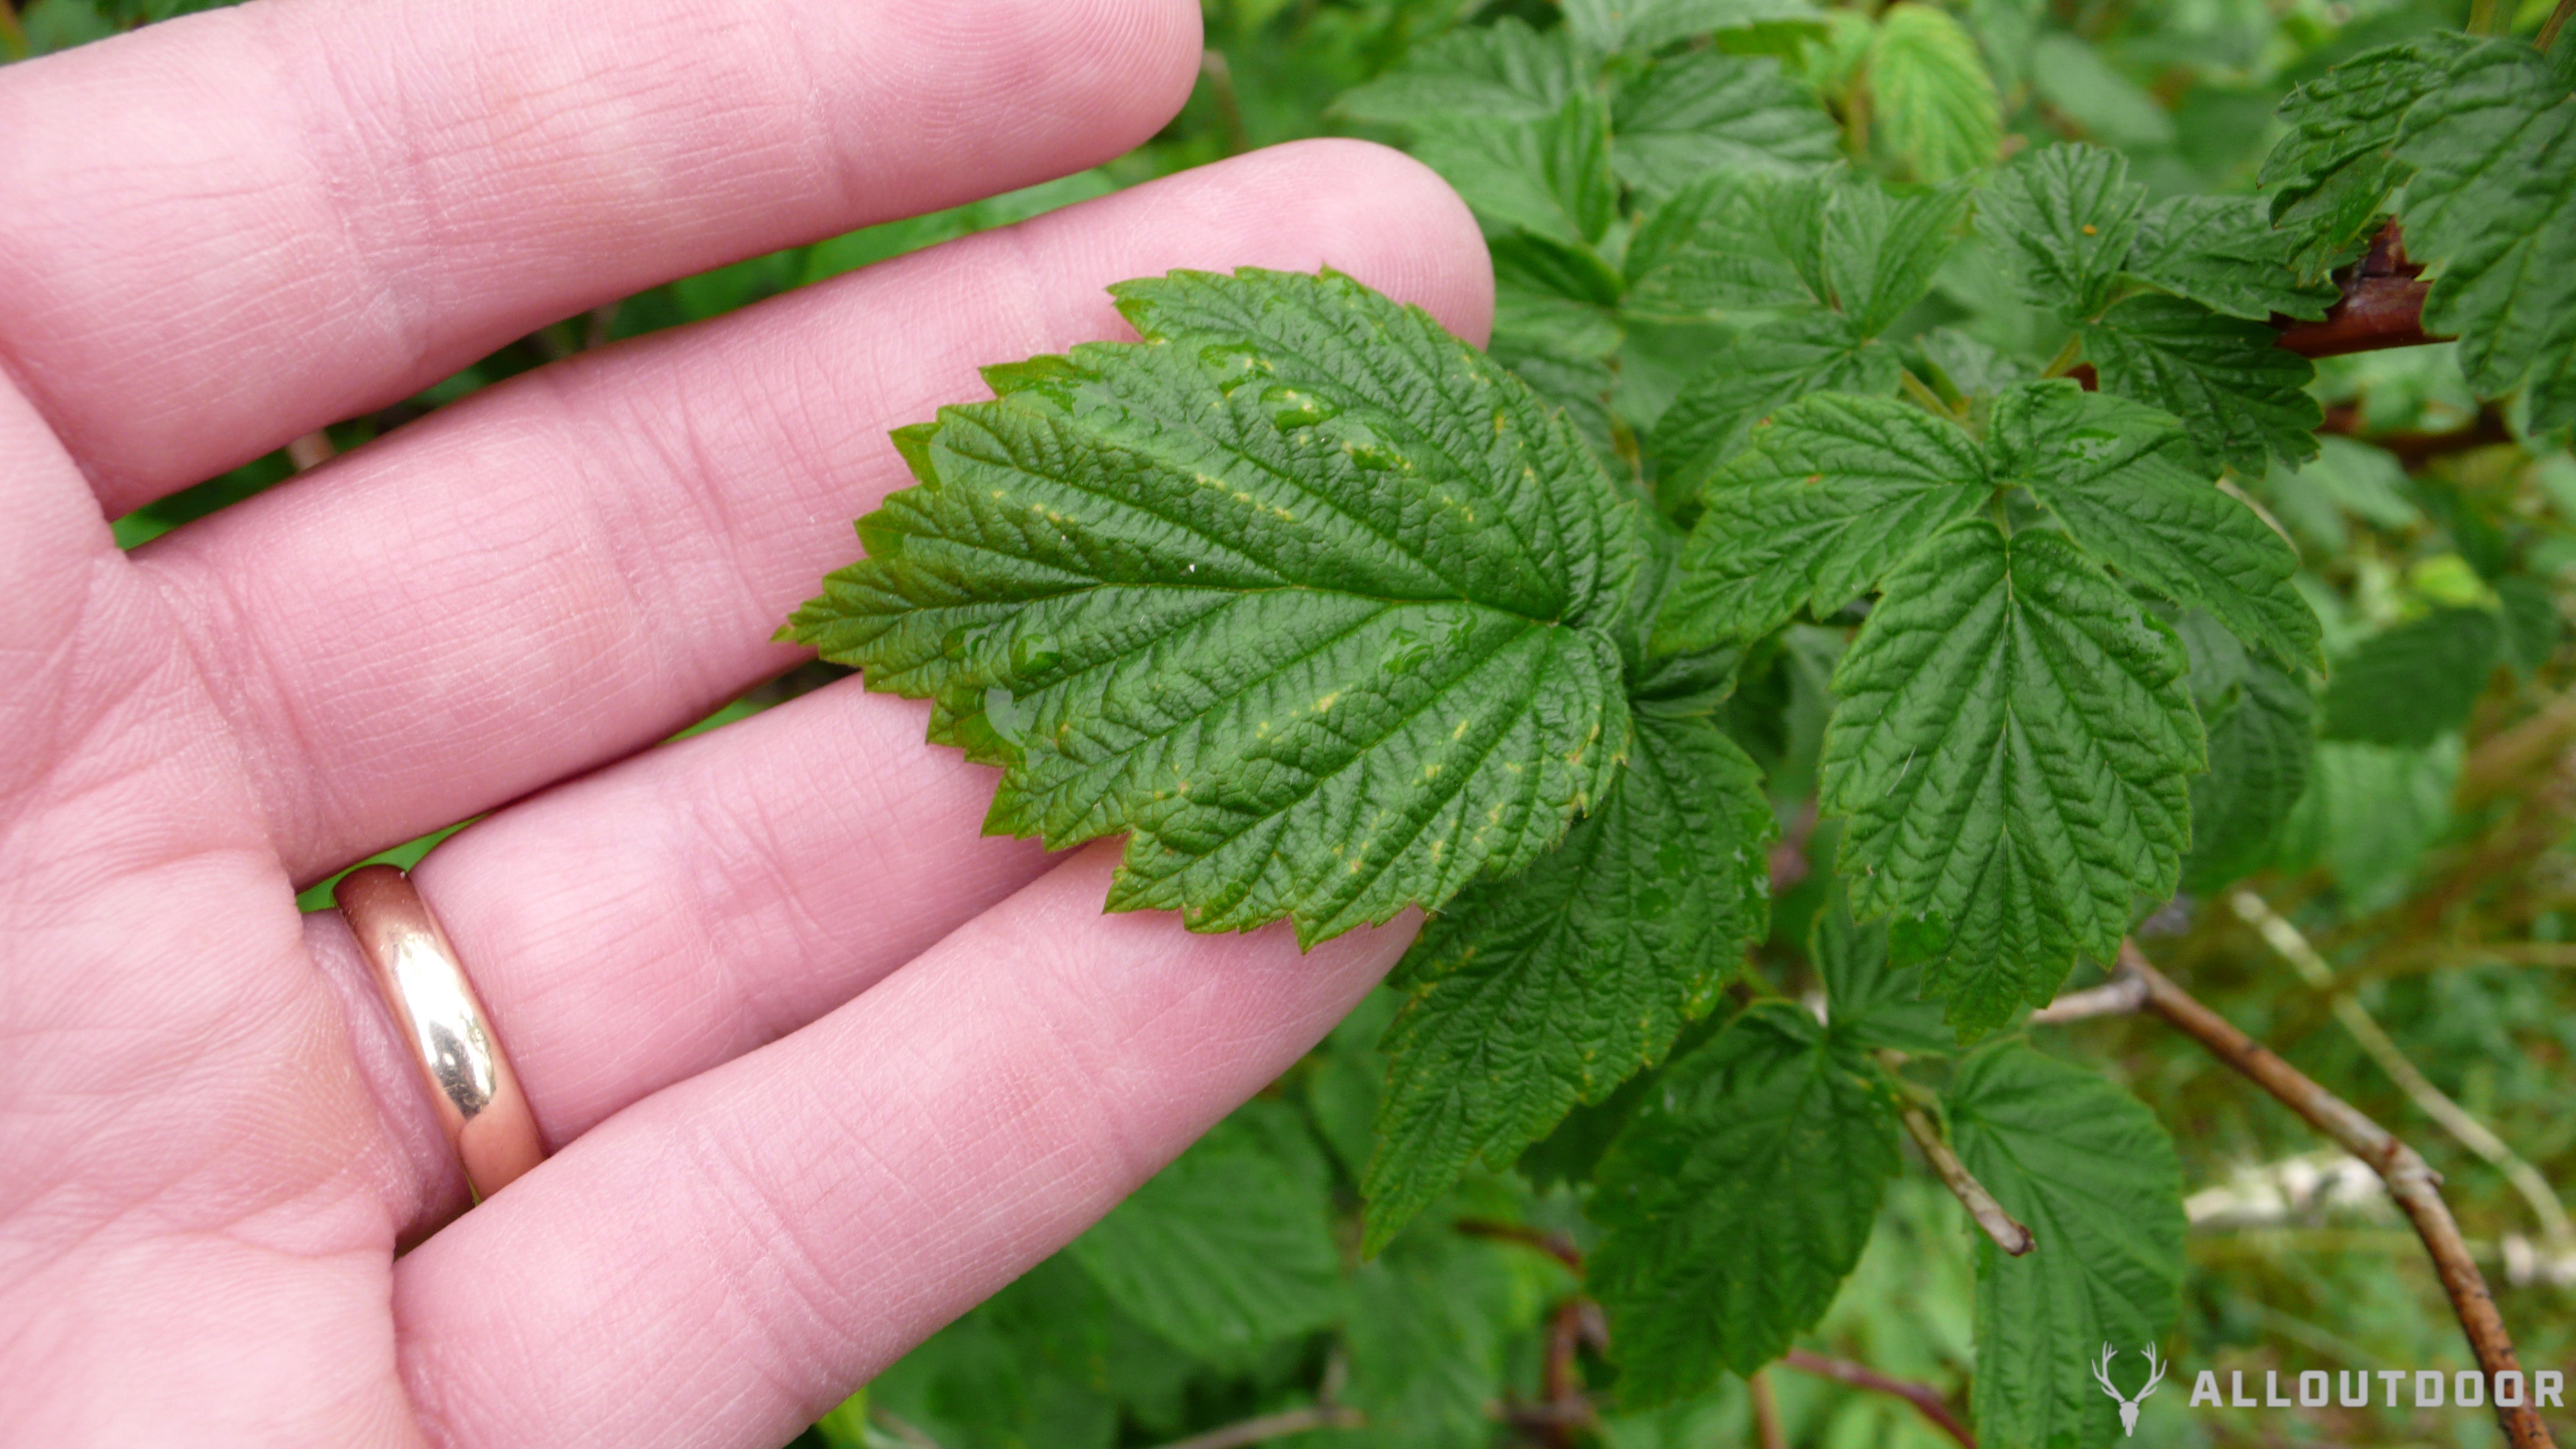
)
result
[(2128, 1406)]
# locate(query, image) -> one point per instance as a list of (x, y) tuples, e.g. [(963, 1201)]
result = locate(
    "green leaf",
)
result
[(1609, 25), (1734, 1203), (2532, 624), (1832, 494), (2492, 207), (2010, 752), (1563, 350), (2335, 168), (1551, 175), (2261, 736), (2073, 77), (1703, 110), (1426, 1340), (2412, 684), (1834, 241), (1310, 597), (2369, 815), (1553, 987), (2222, 252), (2242, 399), (2111, 470), (1769, 367), (2064, 218), (1222, 1251), (1504, 71), (1870, 1000), (1931, 102), (1020, 1371), (2093, 1176)]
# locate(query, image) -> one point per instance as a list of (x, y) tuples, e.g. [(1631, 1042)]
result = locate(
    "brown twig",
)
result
[(2413, 1185), (2415, 448), (1555, 1245), (1926, 1399), (2382, 305), (2556, 22), (1274, 1426), (2007, 1231), (2119, 996)]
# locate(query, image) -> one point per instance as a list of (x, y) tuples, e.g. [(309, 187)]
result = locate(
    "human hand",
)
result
[(820, 1065)]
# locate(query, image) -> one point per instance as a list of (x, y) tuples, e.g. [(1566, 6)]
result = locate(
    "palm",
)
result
[(222, 233)]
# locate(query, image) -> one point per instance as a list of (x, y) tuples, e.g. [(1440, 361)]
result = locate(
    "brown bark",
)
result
[(2382, 305)]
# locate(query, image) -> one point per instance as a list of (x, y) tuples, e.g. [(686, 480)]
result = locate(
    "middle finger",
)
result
[(565, 567)]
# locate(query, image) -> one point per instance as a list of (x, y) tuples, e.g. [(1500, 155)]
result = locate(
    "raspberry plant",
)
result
[(1330, 614)]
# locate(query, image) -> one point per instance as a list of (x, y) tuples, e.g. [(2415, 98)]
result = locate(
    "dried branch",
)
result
[(1926, 1399), (2120, 996), (2292, 946), (2415, 1187), (2008, 1233), (1274, 1426)]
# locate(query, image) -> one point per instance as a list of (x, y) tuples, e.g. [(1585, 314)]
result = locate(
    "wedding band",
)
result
[(480, 1105)]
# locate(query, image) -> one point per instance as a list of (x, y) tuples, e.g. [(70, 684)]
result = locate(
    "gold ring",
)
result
[(480, 1105)]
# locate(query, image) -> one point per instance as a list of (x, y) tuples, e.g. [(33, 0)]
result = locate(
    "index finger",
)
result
[(221, 233)]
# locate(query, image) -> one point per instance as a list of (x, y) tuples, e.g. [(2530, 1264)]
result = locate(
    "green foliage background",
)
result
[(2425, 855)]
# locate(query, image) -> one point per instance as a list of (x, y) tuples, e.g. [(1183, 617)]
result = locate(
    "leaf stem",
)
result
[(1274, 1426), (2413, 1185), (1555, 1245), (2007, 1231), (1925, 1399), (1922, 393), (2292, 946), (1767, 1430), (2557, 21), (2066, 358)]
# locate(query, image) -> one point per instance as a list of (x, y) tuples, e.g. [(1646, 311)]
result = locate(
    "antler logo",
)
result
[(2128, 1406)]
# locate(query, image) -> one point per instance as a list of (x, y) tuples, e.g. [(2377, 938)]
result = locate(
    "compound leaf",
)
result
[(2065, 218), (1769, 367), (2087, 1169), (2222, 252), (1551, 175), (2493, 207), (1933, 103), (2335, 169), (1531, 994), (2009, 752), (1504, 71), (2242, 400), (1833, 492), (1313, 600), (1735, 1201), (1222, 1251), (1703, 109), (2411, 684), (2114, 473)]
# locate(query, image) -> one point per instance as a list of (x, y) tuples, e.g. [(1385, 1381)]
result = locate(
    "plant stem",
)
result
[(1766, 1411), (2482, 17), (2066, 358), (1922, 393), (1274, 1426), (2008, 1233), (2290, 945), (1926, 1399), (2414, 1186), (1555, 1245), (2119, 996), (2556, 22)]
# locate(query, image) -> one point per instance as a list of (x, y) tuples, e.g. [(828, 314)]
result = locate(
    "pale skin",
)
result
[(820, 1066)]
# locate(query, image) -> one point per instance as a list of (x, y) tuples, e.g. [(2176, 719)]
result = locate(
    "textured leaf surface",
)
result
[(1933, 105), (1834, 492), (1831, 240), (2095, 1178), (1703, 109), (1734, 1203), (2412, 683), (1768, 368), (1553, 987), (2335, 168), (2010, 753), (2222, 252), (2117, 475), (2493, 208), (2242, 400), (2065, 217), (1312, 598), (1551, 175), (1870, 1000), (2261, 736), (1607, 25), (1504, 71), (1223, 1250), (1428, 1326)]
